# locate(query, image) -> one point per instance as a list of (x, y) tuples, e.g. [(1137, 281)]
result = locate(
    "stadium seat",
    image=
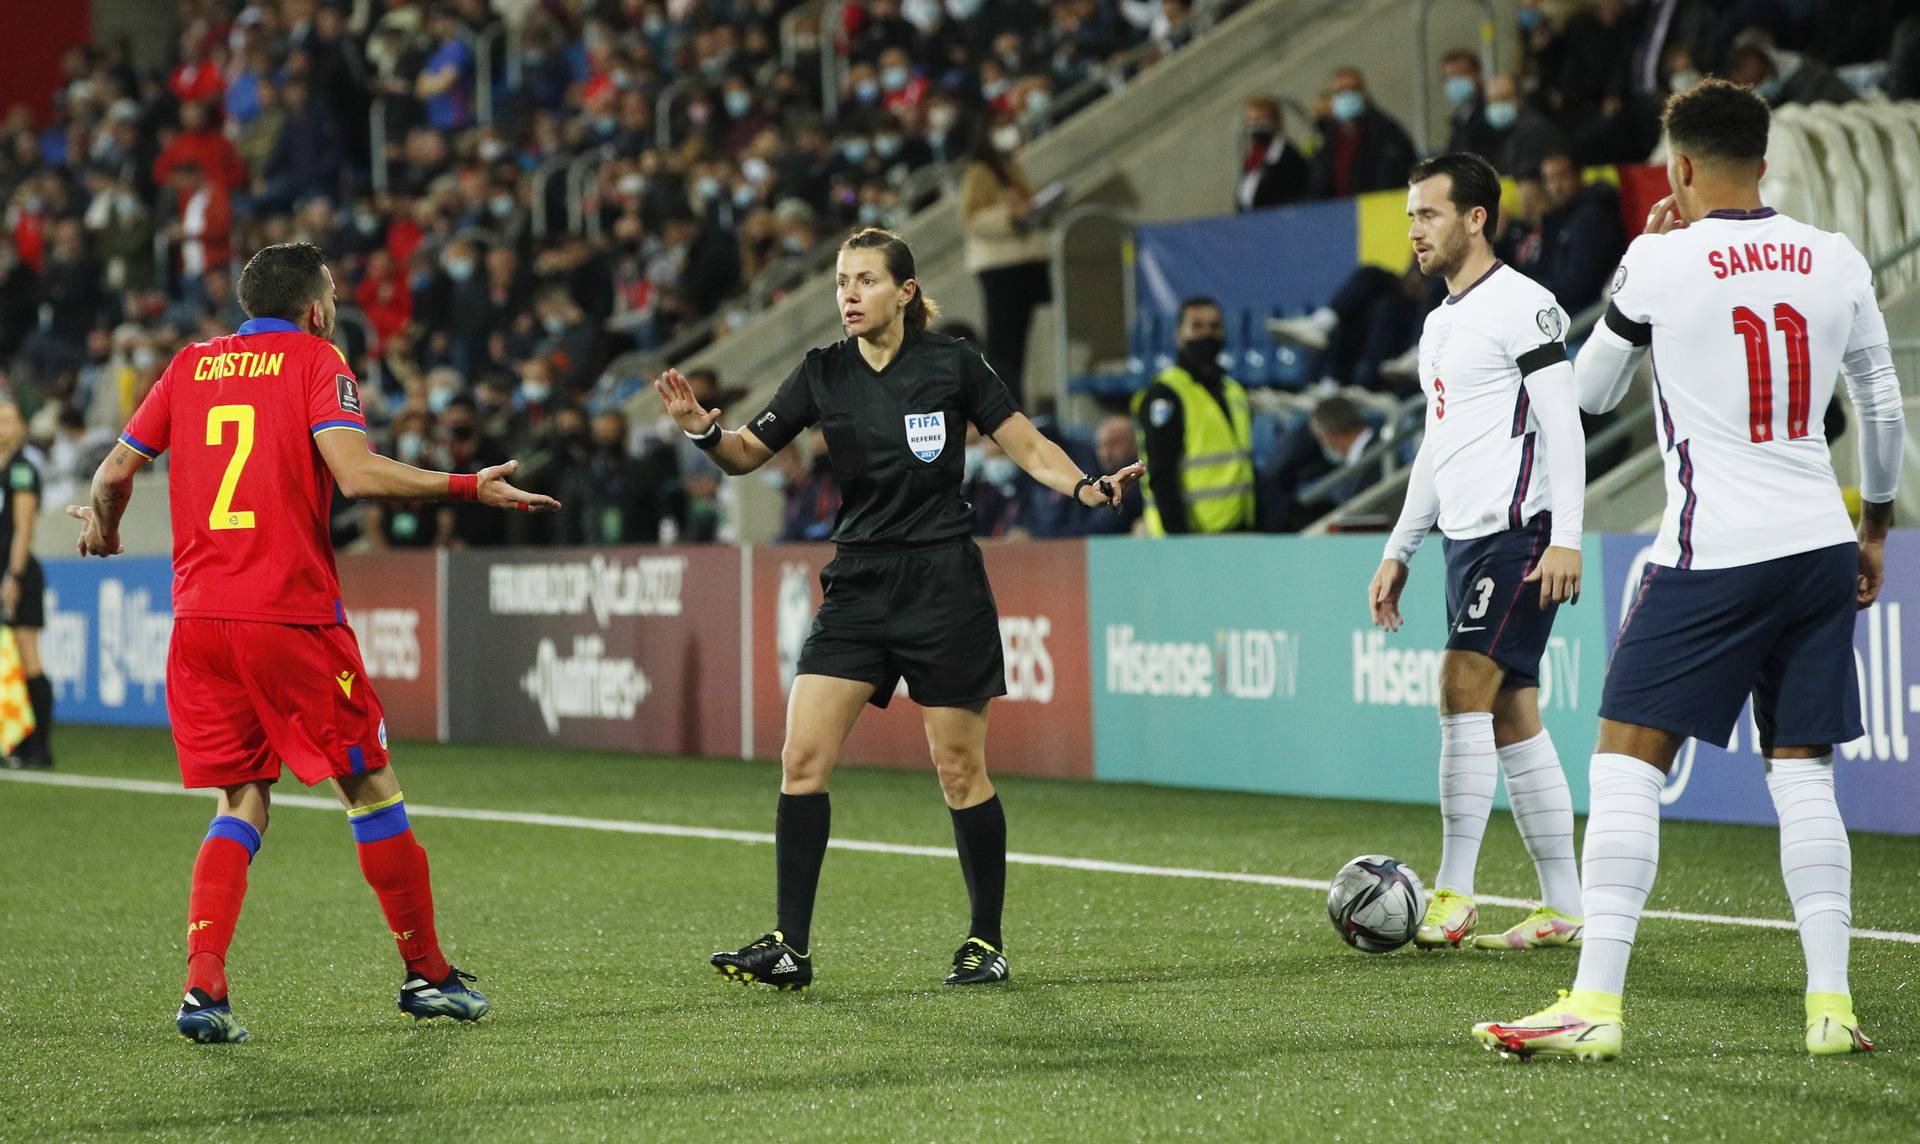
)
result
[(1875, 188), (1901, 137), (1794, 183)]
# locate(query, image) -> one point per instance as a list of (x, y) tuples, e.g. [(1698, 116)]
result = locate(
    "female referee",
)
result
[(906, 593)]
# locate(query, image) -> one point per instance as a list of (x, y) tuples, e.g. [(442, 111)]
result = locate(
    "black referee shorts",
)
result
[(32, 612), (925, 614)]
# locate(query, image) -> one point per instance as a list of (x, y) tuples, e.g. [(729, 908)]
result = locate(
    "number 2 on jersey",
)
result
[(1753, 329), (224, 515)]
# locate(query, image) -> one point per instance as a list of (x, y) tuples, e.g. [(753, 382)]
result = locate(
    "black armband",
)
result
[(1635, 333), (1540, 357)]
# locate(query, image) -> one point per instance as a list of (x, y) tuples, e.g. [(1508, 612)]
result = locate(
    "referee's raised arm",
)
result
[(736, 451)]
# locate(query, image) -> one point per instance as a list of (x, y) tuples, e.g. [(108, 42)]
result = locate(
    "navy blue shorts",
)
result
[(1490, 608), (1697, 641)]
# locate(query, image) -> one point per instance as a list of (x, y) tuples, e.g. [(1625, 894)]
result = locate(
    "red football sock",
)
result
[(213, 909), (396, 867)]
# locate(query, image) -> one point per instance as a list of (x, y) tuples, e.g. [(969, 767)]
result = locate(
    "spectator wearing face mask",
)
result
[(1782, 77), (571, 343), (1522, 136), (1273, 172), (1362, 149), (1196, 435), (612, 496), (992, 486), (1468, 128), (1004, 250)]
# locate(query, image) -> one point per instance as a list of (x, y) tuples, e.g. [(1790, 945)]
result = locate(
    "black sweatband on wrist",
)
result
[(709, 440), (1084, 482)]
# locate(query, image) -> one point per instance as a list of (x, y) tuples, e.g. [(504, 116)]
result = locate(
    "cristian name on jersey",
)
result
[(1475, 352), (1749, 314)]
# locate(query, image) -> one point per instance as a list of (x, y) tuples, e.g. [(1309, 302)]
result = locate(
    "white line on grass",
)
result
[(668, 830)]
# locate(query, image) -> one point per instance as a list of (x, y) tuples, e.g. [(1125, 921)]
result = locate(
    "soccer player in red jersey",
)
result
[(263, 670)]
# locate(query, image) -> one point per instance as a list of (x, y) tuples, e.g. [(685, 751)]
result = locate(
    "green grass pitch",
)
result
[(1141, 1007)]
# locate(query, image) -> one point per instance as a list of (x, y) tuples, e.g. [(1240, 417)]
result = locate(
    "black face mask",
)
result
[(1202, 353), (1262, 137)]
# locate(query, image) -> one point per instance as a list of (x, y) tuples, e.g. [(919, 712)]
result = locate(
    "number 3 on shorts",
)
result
[(223, 515), (1484, 586)]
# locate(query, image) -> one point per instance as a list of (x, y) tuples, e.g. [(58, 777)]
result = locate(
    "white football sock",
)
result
[(1817, 863), (1622, 854), (1468, 772), (1543, 812), (1325, 319)]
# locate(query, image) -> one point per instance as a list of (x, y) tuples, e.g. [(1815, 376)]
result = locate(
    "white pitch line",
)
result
[(668, 830)]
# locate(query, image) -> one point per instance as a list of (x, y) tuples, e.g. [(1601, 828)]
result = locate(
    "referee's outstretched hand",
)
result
[(1112, 488), (491, 488), (682, 405)]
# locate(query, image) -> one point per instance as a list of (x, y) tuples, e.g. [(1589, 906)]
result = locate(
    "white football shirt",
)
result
[(1487, 451), (1749, 313)]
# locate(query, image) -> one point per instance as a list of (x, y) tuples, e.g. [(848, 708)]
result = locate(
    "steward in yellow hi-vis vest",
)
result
[(1196, 436)]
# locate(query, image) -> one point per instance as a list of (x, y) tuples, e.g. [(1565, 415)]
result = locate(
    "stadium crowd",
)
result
[(486, 317)]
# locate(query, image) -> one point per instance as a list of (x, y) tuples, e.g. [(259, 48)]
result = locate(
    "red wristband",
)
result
[(463, 486)]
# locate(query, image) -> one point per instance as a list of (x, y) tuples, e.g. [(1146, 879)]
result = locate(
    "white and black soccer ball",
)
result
[(1376, 903)]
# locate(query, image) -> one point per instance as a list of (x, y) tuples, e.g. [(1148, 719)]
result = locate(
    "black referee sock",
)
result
[(980, 835), (800, 830), (38, 746)]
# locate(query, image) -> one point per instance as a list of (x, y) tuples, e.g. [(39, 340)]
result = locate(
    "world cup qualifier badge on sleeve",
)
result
[(927, 435)]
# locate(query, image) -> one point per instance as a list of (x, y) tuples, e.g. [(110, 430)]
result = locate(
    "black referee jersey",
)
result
[(907, 594), (897, 436), (22, 477)]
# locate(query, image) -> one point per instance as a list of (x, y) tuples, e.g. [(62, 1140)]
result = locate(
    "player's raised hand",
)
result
[(491, 488), (93, 542), (1559, 576), (682, 405), (1383, 595), (1665, 218)]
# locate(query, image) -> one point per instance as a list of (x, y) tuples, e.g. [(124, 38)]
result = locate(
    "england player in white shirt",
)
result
[(1757, 573), (1502, 467)]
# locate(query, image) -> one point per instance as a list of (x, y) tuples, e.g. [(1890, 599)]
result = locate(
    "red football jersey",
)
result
[(251, 494)]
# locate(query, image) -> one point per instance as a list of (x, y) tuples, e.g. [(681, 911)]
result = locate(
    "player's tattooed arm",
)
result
[(111, 492)]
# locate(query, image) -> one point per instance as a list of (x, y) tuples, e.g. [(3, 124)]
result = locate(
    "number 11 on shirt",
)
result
[(1753, 328)]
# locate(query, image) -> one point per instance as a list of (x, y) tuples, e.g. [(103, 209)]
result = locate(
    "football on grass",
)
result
[(1376, 903)]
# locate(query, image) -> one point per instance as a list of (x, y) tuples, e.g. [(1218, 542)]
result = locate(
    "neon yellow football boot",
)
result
[(1539, 929), (1832, 1029), (1450, 920), (1583, 1024)]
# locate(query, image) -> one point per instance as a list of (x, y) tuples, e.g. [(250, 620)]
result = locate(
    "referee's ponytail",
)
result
[(921, 310)]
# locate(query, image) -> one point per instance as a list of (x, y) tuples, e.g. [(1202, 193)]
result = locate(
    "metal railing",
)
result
[(542, 175), (481, 45), (1057, 274), (1423, 60), (663, 111), (377, 143), (578, 171), (833, 22)]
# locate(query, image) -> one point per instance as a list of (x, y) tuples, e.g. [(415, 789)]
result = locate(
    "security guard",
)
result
[(1196, 435), (907, 596)]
